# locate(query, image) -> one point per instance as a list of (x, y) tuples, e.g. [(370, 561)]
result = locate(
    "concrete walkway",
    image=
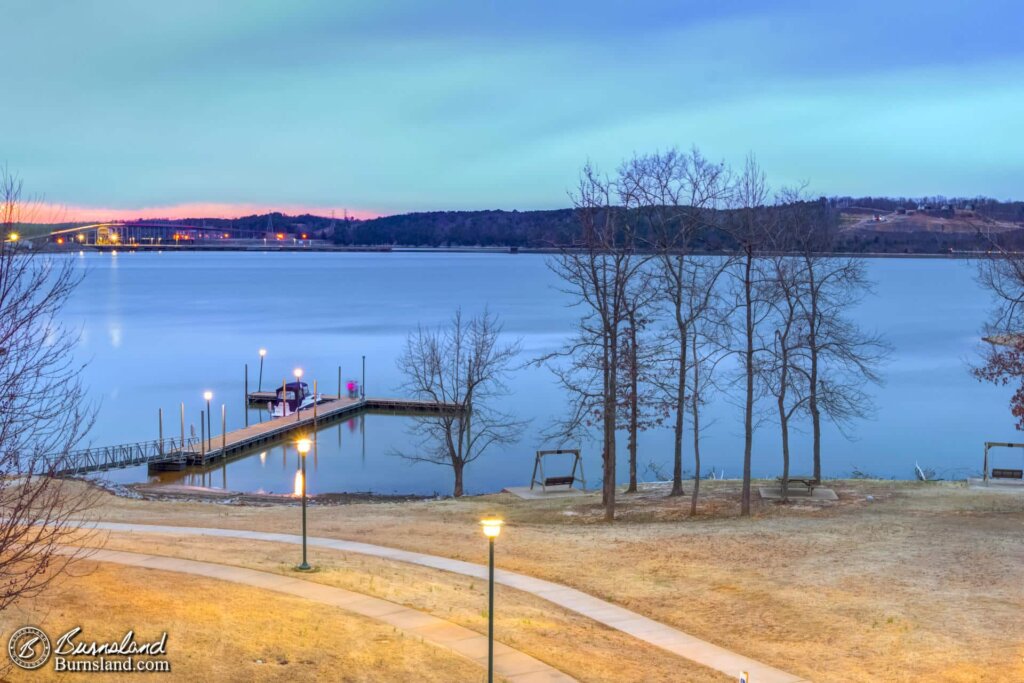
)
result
[(511, 664), (619, 618)]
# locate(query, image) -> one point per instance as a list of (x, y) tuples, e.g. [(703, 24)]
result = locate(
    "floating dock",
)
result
[(169, 455)]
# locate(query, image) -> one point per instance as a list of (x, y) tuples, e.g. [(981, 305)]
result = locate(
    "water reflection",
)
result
[(189, 321)]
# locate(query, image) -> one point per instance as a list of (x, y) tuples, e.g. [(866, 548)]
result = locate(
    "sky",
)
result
[(123, 109)]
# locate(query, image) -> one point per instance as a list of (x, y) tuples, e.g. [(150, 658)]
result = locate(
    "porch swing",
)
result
[(563, 480)]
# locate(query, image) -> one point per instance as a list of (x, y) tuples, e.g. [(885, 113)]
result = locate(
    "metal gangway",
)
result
[(99, 458)]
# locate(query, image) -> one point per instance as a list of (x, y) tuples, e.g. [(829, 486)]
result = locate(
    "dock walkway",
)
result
[(170, 456)]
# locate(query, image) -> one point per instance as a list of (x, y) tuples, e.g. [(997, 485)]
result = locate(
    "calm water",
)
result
[(159, 329)]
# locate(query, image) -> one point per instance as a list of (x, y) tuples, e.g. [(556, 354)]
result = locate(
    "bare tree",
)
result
[(598, 271), (839, 359), (782, 372), (639, 407), (678, 196), (1001, 272), (707, 335), (43, 409), (750, 222), (463, 365)]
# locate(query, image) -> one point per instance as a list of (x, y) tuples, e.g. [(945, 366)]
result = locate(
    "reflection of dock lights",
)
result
[(298, 483)]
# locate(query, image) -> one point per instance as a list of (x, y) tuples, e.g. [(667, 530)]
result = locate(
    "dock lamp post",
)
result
[(491, 527), (303, 446), (263, 354), (298, 402), (209, 429)]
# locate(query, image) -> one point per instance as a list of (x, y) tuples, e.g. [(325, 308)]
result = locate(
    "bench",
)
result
[(807, 480), (1007, 474), (559, 481)]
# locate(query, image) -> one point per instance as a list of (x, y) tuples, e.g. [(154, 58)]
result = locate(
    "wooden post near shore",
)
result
[(160, 411), (362, 383), (202, 434), (314, 406), (223, 428), (182, 444), (245, 396), (339, 381)]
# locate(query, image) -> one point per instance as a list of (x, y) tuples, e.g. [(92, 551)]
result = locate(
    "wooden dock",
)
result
[(168, 455), (329, 410)]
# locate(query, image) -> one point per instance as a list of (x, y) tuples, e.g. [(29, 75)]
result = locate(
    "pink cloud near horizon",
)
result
[(56, 213)]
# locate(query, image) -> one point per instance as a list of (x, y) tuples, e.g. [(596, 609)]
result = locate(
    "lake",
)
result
[(158, 329)]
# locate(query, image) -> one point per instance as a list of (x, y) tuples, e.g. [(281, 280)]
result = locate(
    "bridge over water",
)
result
[(143, 233)]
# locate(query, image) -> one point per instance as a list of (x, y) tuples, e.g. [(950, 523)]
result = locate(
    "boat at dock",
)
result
[(291, 397)]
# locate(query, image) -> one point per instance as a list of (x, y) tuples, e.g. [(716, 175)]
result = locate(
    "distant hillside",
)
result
[(464, 228), (861, 225)]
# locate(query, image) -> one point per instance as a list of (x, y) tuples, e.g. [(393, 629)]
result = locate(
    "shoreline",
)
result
[(386, 249)]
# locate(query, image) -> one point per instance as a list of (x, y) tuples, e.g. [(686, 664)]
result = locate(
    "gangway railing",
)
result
[(100, 458)]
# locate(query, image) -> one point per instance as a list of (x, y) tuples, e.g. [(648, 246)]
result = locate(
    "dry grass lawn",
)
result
[(925, 581), (219, 631)]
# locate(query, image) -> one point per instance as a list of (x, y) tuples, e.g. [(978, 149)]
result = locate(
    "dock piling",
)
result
[(183, 426), (362, 383), (245, 396), (223, 428), (202, 435), (160, 412)]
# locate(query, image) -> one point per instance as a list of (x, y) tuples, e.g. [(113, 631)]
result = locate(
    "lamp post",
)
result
[(298, 402), (303, 446), (263, 354), (491, 527), (209, 429)]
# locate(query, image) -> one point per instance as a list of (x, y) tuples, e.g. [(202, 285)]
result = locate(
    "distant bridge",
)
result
[(155, 233)]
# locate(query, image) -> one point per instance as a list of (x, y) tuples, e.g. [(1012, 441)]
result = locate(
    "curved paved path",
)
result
[(619, 618), (513, 665)]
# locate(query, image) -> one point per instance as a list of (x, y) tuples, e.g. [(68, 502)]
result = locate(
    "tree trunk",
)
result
[(695, 407), (784, 425), (610, 404), (634, 406), (457, 466), (677, 466), (748, 415), (812, 342)]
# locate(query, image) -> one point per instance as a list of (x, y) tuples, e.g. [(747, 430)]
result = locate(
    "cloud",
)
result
[(54, 213)]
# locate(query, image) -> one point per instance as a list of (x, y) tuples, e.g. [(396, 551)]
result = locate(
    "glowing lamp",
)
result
[(303, 445), (263, 352), (13, 237), (298, 373), (208, 395), (491, 527)]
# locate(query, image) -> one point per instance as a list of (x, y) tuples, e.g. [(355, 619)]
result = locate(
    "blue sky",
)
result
[(392, 106)]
